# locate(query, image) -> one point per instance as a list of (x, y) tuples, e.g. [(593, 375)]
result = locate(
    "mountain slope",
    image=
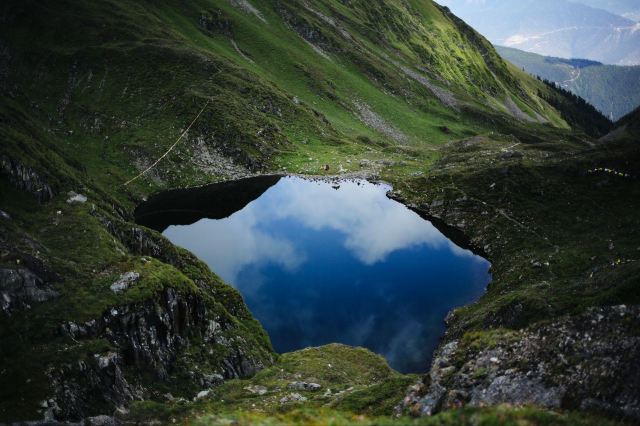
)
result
[(613, 90), (628, 8), (554, 28), (626, 129), (99, 311), (93, 93)]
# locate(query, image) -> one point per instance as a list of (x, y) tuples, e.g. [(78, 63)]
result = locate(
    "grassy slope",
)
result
[(357, 387), (95, 91), (614, 90), (626, 129), (631, 120)]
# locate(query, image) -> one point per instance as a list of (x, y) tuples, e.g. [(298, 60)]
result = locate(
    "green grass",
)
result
[(95, 92), (502, 415)]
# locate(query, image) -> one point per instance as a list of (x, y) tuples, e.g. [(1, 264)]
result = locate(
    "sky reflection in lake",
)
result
[(319, 265)]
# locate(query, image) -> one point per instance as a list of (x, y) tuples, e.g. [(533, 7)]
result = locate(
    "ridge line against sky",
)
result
[(560, 28)]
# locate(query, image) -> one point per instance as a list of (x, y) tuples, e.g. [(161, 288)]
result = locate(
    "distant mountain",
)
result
[(627, 8), (554, 28), (614, 90)]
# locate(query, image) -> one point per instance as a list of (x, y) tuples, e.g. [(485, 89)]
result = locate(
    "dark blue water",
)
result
[(318, 265)]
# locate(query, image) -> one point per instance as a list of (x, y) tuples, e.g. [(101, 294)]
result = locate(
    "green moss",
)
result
[(379, 399), (502, 415)]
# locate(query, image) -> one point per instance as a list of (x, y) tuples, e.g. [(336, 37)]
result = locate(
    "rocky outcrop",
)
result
[(83, 388), (140, 241), (308, 31), (20, 288), (124, 282), (586, 362), (149, 339), (26, 179)]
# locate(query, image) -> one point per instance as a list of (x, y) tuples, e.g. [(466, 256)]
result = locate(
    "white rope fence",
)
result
[(170, 148)]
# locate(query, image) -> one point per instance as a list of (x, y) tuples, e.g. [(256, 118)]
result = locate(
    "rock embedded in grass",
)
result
[(75, 198), (124, 282), (292, 397), (304, 386)]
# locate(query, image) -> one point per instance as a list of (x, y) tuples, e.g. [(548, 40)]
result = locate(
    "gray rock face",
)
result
[(211, 380), (19, 288), (148, 337), (519, 390), (26, 179), (124, 282), (78, 386), (583, 362), (140, 241)]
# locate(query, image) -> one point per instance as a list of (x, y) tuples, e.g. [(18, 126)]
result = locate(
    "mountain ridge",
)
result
[(554, 28), (614, 90), (625, 8)]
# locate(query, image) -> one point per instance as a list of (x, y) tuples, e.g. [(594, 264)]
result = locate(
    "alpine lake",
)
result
[(320, 261)]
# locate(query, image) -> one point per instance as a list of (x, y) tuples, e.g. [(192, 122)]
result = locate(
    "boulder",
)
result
[(75, 198), (21, 287), (256, 389), (124, 282), (304, 386)]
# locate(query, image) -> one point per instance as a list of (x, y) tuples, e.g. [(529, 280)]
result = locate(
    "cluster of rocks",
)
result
[(147, 336), (257, 389), (214, 160), (376, 122), (124, 282), (446, 97), (292, 397), (26, 179), (586, 362), (20, 288)]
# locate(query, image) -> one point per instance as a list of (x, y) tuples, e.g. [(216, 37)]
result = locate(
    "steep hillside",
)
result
[(560, 28), (106, 103), (626, 129), (632, 119), (613, 90)]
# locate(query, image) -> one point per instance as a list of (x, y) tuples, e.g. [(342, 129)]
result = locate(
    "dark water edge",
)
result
[(215, 201)]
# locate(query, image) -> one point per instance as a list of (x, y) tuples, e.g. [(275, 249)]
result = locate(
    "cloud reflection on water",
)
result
[(373, 227), (319, 265), (238, 243)]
